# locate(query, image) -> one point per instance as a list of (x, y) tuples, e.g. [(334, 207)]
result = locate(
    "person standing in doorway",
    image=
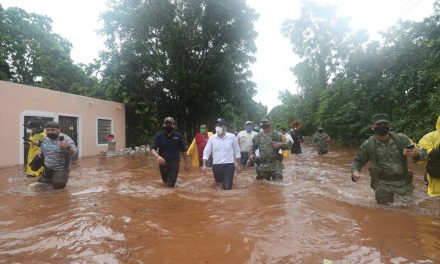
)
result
[(223, 147), (165, 149), (244, 138)]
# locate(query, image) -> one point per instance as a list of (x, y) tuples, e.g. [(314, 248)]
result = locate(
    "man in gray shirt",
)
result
[(57, 150)]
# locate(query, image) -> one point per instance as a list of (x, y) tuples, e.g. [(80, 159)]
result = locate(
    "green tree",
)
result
[(30, 53), (188, 59)]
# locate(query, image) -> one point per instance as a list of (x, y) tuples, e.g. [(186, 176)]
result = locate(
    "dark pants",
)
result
[(58, 179), (244, 157), (168, 173), (224, 174), (296, 150)]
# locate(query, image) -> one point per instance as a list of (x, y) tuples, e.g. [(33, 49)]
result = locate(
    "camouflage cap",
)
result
[(380, 118)]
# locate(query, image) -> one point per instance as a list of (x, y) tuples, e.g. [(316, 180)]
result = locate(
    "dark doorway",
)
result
[(38, 119), (69, 126)]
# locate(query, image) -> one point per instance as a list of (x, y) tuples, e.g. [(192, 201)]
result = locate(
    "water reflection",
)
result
[(116, 210)]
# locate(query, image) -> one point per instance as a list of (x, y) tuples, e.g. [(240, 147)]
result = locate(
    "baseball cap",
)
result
[(221, 122), (248, 123), (380, 118)]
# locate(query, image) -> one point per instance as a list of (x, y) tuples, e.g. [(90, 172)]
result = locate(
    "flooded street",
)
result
[(115, 210)]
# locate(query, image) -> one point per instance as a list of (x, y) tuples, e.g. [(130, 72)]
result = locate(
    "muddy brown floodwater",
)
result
[(115, 210)]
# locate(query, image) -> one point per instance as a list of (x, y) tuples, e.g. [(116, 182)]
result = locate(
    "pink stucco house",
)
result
[(86, 120)]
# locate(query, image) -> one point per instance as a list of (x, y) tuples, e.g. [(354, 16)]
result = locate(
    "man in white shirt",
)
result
[(223, 147), (245, 143)]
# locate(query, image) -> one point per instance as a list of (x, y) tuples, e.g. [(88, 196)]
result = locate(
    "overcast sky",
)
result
[(78, 22)]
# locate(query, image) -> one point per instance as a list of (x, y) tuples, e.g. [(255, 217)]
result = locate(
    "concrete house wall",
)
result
[(19, 101)]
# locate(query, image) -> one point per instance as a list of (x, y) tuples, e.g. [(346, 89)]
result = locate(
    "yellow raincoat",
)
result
[(33, 151), (193, 151), (429, 142)]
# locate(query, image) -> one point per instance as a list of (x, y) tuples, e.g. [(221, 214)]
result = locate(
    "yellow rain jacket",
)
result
[(429, 142), (33, 151), (193, 151)]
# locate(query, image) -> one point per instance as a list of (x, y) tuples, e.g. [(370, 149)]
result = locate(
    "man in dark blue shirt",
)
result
[(165, 149)]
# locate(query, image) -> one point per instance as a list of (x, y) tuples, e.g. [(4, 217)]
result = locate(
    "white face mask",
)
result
[(218, 130), (261, 130), (29, 131)]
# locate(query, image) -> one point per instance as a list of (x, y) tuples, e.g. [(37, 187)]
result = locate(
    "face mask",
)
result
[(265, 126), (249, 129), (52, 136), (261, 130), (381, 130), (29, 131), (203, 131), (168, 129), (218, 130)]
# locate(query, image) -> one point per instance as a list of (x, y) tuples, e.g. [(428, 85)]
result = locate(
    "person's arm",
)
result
[(68, 146), (237, 155), (153, 150), (207, 152), (359, 160)]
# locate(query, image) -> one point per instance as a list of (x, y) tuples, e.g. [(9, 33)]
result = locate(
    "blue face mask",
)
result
[(248, 129)]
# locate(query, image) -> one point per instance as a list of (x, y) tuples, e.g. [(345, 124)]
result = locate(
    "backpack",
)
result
[(433, 167)]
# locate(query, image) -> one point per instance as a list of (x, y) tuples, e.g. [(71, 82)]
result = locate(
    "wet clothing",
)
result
[(245, 143), (224, 151), (168, 173), (57, 161), (224, 174), (297, 140), (389, 167), (195, 150), (168, 147), (34, 149), (321, 141), (270, 165), (430, 142)]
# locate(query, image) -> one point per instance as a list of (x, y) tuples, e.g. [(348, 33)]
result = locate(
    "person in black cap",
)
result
[(223, 147), (388, 154), (57, 150), (165, 149)]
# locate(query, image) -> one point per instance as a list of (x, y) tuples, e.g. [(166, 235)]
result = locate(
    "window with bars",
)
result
[(104, 129)]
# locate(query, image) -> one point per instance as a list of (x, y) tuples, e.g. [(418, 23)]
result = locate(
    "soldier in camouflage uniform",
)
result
[(388, 154), (269, 143), (321, 140), (57, 149)]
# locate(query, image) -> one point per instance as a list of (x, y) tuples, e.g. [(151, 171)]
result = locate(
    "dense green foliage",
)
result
[(188, 59), (344, 78)]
